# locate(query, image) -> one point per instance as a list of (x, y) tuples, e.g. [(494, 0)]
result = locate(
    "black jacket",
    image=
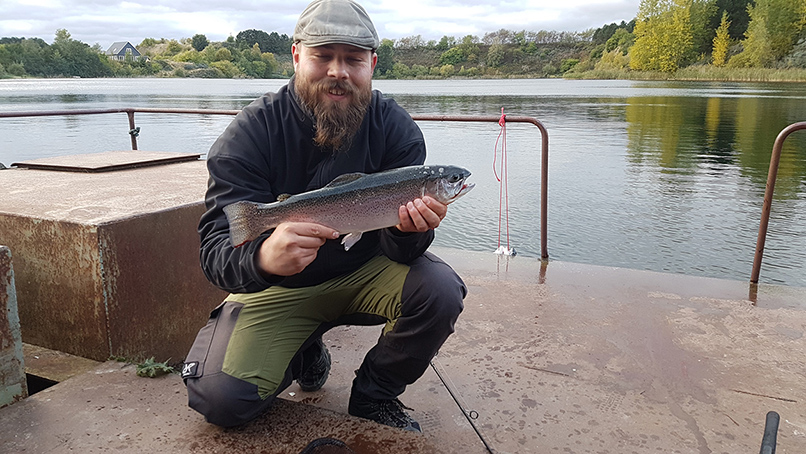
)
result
[(268, 150)]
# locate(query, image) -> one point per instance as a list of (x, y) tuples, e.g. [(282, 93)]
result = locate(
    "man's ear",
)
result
[(374, 61), (295, 48)]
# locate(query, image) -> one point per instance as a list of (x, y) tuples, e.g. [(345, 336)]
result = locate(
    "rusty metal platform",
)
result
[(107, 161), (555, 357), (107, 263)]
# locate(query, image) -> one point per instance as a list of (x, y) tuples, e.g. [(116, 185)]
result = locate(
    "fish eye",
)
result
[(455, 178)]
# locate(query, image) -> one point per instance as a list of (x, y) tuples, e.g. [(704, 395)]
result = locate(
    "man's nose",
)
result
[(337, 68)]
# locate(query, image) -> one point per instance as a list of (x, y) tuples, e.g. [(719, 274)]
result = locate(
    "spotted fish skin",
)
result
[(353, 203)]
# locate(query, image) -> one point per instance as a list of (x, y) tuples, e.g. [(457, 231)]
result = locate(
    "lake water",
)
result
[(663, 176)]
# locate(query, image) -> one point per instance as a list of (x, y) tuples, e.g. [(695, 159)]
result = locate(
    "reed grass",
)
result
[(699, 72)]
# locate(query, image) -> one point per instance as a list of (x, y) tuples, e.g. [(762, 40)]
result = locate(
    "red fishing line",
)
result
[(503, 191)]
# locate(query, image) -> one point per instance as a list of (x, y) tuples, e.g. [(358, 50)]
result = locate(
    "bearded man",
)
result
[(295, 282)]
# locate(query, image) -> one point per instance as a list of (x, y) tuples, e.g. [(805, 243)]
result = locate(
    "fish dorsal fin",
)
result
[(344, 179), (283, 197)]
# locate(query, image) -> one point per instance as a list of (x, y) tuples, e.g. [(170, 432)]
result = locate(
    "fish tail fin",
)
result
[(242, 226)]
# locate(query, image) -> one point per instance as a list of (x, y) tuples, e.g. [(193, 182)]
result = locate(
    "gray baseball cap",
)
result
[(336, 22)]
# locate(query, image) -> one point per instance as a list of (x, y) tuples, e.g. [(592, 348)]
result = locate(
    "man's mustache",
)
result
[(326, 86)]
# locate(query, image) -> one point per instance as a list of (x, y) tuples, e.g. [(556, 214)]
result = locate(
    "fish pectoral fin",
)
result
[(350, 239)]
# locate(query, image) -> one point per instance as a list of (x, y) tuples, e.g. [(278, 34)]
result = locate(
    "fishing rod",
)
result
[(769, 441), (469, 415)]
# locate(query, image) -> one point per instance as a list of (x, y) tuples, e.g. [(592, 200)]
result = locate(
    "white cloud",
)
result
[(105, 22), (17, 26)]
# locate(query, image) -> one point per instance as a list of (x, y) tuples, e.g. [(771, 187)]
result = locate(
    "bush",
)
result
[(189, 56), (613, 60), (568, 64), (206, 73), (16, 69)]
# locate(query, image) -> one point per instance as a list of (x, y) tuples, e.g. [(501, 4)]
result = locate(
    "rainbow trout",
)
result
[(353, 203)]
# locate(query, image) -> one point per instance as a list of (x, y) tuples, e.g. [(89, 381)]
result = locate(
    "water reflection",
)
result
[(663, 176)]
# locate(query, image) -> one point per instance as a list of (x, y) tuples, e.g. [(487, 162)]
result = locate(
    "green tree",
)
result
[(722, 42), (737, 12), (622, 40), (445, 43), (453, 56), (191, 55), (386, 57), (568, 64), (701, 13), (495, 55), (248, 38), (16, 69), (400, 71), (228, 68), (173, 48), (771, 35), (278, 44), (73, 58), (223, 54), (410, 42), (199, 42)]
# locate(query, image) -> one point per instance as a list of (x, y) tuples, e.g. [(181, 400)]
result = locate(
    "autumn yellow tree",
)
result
[(663, 35), (721, 42)]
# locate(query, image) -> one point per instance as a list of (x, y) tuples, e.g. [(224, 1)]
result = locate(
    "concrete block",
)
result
[(108, 263), (12, 367)]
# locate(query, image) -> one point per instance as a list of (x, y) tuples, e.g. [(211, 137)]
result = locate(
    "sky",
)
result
[(107, 21)]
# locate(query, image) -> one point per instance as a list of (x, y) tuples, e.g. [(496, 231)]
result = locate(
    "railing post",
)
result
[(132, 129), (766, 208)]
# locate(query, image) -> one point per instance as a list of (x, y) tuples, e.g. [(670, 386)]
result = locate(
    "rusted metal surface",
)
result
[(107, 263), (107, 161), (765, 210), (157, 295), (12, 375), (58, 284)]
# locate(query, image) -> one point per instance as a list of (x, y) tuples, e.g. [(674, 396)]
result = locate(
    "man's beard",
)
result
[(336, 124)]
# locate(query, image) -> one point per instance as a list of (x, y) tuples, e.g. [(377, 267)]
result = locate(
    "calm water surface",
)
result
[(663, 176)]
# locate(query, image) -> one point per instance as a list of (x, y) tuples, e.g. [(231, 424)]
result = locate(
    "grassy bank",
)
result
[(702, 72)]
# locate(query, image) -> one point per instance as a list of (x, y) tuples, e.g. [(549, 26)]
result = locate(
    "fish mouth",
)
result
[(466, 187)]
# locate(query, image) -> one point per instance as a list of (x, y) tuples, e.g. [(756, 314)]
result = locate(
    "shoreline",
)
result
[(688, 74)]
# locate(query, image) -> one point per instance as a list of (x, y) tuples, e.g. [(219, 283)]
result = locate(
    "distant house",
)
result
[(120, 49)]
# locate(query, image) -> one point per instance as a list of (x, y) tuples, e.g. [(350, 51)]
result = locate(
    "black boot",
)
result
[(390, 412), (317, 359)]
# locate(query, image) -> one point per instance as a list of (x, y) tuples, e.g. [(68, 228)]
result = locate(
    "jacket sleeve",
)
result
[(233, 179)]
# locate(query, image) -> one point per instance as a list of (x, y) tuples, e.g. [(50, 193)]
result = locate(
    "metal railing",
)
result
[(134, 131), (775, 159)]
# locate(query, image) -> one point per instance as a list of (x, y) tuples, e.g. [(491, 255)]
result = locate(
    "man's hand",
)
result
[(421, 215), (292, 246)]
